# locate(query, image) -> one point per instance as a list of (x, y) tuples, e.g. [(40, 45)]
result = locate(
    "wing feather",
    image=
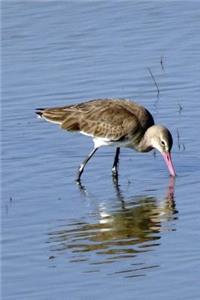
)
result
[(114, 119)]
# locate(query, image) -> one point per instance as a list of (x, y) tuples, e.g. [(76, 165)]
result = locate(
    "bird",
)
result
[(116, 122)]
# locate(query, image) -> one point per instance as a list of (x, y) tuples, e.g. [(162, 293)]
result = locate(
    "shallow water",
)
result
[(135, 239)]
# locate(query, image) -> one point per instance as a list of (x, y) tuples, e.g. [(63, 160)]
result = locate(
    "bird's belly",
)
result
[(98, 142), (103, 141)]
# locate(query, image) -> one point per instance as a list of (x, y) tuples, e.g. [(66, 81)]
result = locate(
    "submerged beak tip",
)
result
[(168, 161), (173, 174)]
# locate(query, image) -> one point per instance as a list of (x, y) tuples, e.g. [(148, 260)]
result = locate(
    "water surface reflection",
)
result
[(122, 232)]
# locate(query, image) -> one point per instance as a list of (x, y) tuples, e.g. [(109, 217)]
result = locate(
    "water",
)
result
[(135, 239)]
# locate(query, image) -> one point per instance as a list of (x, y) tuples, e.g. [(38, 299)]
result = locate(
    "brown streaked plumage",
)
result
[(113, 122)]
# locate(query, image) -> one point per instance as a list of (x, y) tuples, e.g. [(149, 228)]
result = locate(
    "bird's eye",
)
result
[(163, 143)]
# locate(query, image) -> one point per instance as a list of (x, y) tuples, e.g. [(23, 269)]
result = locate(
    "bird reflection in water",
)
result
[(135, 225)]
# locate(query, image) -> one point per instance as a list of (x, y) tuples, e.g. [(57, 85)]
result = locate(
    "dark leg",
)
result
[(82, 166), (119, 194), (116, 163)]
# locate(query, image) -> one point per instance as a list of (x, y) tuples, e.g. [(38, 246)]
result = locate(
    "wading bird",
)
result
[(113, 122)]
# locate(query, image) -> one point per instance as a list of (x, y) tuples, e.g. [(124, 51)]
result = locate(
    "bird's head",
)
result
[(161, 139)]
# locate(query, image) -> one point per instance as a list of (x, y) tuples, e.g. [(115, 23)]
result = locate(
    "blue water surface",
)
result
[(135, 239)]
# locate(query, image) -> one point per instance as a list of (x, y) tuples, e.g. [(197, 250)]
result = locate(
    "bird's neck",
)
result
[(145, 144)]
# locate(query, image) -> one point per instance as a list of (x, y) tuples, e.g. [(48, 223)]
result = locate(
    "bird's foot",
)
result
[(80, 171), (78, 181), (115, 174)]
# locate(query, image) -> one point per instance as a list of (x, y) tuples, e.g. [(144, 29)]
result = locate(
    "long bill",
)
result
[(168, 161)]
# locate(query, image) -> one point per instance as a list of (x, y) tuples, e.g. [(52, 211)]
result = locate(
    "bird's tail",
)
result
[(66, 117), (54, 115), (39, 112)]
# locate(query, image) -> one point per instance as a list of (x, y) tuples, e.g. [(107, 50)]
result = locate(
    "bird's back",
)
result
[(113, 119)]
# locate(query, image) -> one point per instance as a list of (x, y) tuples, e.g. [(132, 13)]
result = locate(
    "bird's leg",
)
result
[(116, 163), (82, 166)]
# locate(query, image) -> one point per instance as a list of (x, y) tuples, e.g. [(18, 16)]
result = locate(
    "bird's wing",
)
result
[(111, 121)]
